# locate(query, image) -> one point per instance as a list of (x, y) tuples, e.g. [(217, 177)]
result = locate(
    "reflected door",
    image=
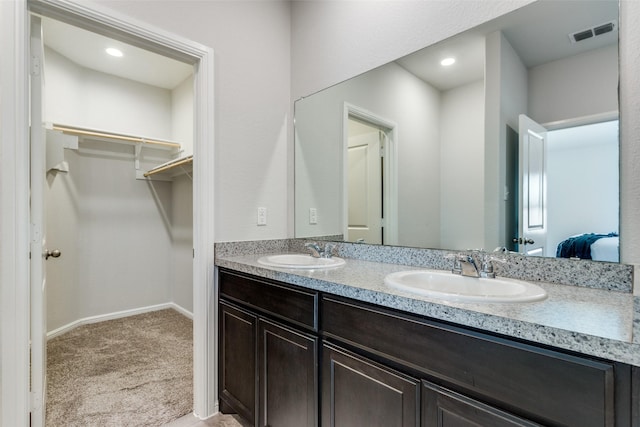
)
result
[(532, 213), (364, 189)]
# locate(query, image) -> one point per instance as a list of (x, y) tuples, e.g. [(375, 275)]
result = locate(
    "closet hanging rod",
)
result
[(169, 165), (101, 134)]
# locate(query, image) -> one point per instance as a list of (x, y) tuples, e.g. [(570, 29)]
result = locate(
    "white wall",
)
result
[(182, 200), (400, 98), (333, 41), (630, 134), (181, 280), (252, 102), (583, 182), (85, 98), (330, 42), (126, 243), (577, 86), (506, 98), (114, 234), (462, 165), (182, 116)]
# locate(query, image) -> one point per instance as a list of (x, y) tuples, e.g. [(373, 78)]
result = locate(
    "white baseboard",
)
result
[(216, 411), (117, 315)]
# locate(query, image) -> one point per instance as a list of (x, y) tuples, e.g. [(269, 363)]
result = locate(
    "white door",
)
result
[(364, 190), (532, 212), (39, 252)]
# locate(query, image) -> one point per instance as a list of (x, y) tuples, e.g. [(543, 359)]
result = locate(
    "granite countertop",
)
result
[(594, 322)]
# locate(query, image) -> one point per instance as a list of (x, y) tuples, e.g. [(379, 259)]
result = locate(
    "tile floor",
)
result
[(219, 420)]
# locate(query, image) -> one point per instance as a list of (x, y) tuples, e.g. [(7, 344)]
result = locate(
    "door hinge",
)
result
[(36, 233), (35, 401), (35, 66), (382, 222)]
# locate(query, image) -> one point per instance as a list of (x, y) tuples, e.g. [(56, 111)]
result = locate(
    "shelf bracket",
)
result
[(187, 172), (136, 156)]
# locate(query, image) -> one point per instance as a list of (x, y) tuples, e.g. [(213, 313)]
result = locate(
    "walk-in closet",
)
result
[(119, 203)]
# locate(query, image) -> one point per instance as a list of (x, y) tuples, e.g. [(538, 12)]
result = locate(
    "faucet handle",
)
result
[(457, 267), (487, 265), (315, 250), (329, 248)]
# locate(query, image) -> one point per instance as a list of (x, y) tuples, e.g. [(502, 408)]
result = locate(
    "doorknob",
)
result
[(522, 241), (54, 253)]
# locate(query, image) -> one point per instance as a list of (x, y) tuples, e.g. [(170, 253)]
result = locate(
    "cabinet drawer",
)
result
[(283, 302), (547, 386)]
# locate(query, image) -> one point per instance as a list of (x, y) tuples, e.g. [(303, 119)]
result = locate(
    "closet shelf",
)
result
[(163, 172), (170, 165), (117, 137)]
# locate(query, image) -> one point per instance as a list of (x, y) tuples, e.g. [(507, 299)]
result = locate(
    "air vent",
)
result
[(596, 31), (582, 35), (603, 29)]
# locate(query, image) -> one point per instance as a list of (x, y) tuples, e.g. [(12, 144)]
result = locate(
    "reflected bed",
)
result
[(597, 247)]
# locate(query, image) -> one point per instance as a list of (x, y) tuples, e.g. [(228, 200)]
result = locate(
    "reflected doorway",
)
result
[(367, 185), (582, 186)]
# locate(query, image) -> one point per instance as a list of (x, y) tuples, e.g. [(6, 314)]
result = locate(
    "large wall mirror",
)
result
[(505, 135)]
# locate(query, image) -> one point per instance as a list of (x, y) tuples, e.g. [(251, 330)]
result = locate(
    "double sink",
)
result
[(437, 284)]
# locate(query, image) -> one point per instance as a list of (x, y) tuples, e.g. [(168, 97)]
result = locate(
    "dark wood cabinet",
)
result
[(383, 367), (288, 377), (548, 386), (237, 361), (268, 370), (445, 408), (357, 392)]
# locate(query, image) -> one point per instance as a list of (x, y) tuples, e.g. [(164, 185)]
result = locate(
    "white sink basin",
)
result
[(457, 288), (300, 261)]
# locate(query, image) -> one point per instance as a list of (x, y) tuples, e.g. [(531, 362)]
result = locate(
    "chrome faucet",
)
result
[(314, 248), (318, 252), (464, 265), (468, 266)]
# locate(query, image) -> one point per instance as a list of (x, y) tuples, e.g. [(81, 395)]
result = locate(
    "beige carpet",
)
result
[(134, 371)]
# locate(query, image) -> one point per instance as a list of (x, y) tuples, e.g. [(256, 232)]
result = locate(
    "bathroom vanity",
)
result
[(306, 349)]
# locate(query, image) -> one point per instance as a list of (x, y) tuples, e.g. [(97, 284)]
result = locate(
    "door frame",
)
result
[(14, 191), (390, 184)]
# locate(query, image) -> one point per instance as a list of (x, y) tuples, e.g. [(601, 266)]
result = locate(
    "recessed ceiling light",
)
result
[(447, 61), (114, 52)]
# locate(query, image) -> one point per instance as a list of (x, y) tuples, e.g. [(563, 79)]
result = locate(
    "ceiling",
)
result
[(538, 32), (87, 49)]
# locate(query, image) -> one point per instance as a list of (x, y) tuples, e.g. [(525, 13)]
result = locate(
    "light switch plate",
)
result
[(262, 216), (313, 216)]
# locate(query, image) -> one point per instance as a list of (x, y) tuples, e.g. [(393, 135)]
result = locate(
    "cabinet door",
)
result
[(238, 371), (357, 392), (444, 408), (288, 377)]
